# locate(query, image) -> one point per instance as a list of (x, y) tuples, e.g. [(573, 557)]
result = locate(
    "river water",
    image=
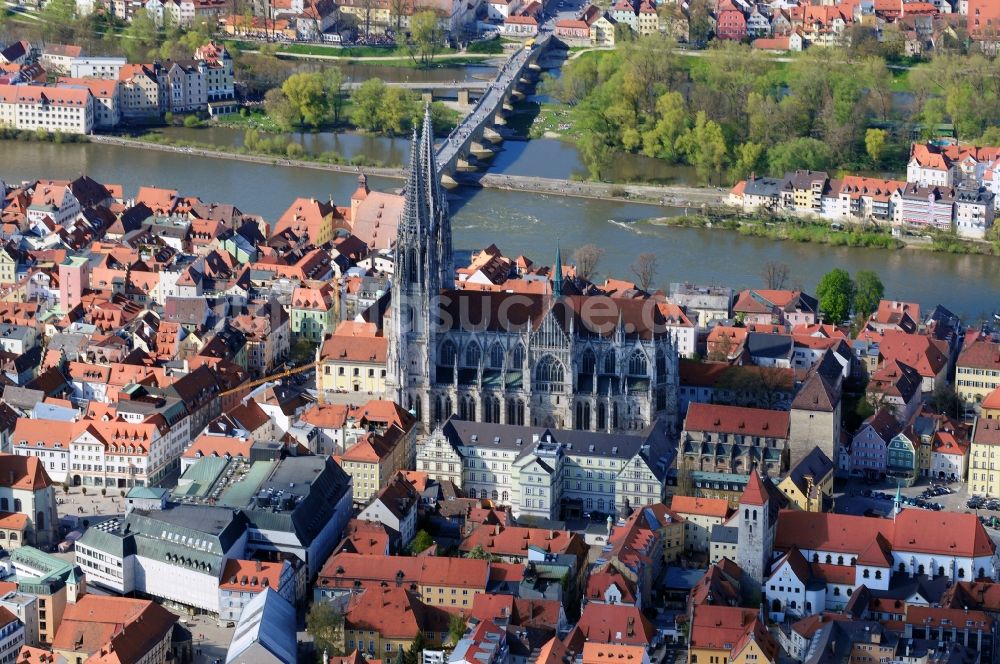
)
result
[(532, 224), (540, 157)]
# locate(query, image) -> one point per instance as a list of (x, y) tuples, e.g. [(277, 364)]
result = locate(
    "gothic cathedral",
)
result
[(555, 360)]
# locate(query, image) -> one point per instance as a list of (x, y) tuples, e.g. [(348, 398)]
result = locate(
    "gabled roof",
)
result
[(912, 530), (712, 507), (737, 420)]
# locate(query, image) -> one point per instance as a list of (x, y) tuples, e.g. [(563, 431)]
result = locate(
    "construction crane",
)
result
[(277, 376)]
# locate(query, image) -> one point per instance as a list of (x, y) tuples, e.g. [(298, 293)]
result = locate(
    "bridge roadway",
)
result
[(467, 137), (471, 86)]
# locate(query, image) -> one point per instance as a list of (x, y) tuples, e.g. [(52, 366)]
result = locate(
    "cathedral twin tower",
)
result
[(511, 358)]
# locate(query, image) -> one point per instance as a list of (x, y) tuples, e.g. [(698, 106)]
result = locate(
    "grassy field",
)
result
[(553, 119)]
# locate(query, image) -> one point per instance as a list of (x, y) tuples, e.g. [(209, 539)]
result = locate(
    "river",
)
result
[(532, 224), (540, 157)]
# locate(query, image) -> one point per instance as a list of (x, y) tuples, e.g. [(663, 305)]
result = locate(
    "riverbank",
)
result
[(394, 59), (818, 232), (380, 171)]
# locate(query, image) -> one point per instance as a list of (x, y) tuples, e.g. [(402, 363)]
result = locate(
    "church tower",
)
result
[(756, 519), (423, 266)]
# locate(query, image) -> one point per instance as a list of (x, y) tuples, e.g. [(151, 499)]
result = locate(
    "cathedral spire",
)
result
[(557, 275), (414, 191)]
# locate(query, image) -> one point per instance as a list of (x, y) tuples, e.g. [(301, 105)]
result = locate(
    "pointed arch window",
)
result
[(609, 362), (496, 356), (637, 364), (549, 370), (472, 355), (517, 357), (447, 354)]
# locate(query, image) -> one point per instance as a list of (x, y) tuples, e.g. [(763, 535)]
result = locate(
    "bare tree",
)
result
[(774, 274), (399, 9), (368, 6), (586, 259), (644, 268)]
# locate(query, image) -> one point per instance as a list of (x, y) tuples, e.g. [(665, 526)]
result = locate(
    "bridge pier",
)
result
[(492, 135), (463, 97), (481, 151), (448, 182), (427, 97)]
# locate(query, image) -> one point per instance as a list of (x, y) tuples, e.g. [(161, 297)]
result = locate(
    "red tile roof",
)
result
[(251, 576), (980, 354), (716, 418), (719, 627), (947, 533), (23, 472), (514, 541), (342, 569), (612, 623), (755, 492), (712, 507)]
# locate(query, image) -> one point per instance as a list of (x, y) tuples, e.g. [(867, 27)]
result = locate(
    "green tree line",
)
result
[(735, 110)]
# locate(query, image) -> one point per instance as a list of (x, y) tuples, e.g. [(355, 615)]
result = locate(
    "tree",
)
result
[(836, 295), (868, 290), (415, 653), (685, 481), (456, 627), (699, 22), (191, 121), (774, 274), (421, 542), (141, 36), (279, 108), (396, 111), (305, 93), (799, 153), (990, 137), (644, 268), (946, 401), (399, 9), (672, 115), (366, 8), (426, 37), (58, 17), (749, 158), (875, 140), (333, 87), (479, 553), (586, 259), (367, 104), (704, 146), (326, 625)]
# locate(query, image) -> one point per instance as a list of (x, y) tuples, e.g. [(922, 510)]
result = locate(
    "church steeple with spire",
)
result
[(557, 275), (423, 267)]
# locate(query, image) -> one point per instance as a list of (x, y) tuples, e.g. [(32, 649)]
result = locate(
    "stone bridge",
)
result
[(472, 140), (463, 91)]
